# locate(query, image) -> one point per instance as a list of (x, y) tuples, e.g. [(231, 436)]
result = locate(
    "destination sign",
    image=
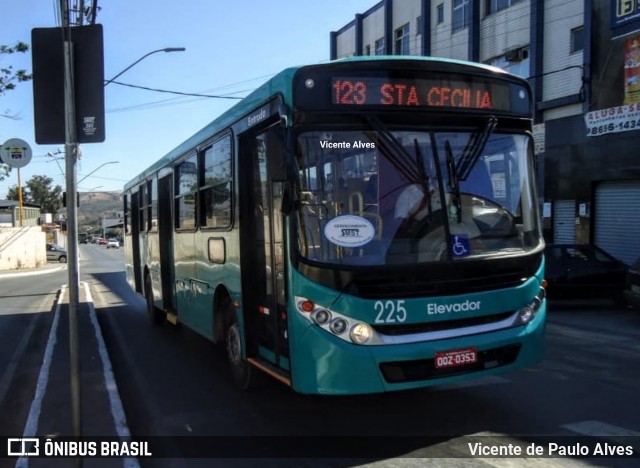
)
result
[(423, 92)]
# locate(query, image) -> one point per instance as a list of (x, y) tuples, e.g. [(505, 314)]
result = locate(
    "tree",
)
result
[(38, 191), (9, 77)]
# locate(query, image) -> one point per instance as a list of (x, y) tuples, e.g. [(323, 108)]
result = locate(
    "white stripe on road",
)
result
[(117, 411), (606, 431), (600, 429), (42, 271), (31, 425), (7, 377)]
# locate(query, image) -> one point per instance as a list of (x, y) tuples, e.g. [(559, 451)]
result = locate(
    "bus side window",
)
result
[(215, 192), (186, 185)]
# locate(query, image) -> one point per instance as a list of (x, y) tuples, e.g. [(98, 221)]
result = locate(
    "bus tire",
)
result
[(241, 371), (156, 316)]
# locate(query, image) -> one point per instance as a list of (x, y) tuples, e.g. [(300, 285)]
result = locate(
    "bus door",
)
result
[(135, 239), (261, 157), (185, 221), (165, 234)]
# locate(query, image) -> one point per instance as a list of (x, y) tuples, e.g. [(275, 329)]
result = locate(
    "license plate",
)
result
[(455, 358)]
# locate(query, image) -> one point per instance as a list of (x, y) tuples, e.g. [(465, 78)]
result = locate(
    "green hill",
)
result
[(94, 205)]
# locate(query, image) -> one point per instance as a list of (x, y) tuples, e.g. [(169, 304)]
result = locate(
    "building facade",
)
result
[(12, 216), (579, 57)]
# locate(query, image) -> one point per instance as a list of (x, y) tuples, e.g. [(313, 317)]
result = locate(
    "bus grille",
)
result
[(413, 328), (424, 369), (414, 286)]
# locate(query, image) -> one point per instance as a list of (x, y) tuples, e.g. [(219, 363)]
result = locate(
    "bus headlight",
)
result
[(339, 326), (361, 333), (321, 316), (528, 312)]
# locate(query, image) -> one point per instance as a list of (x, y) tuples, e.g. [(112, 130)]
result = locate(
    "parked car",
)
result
[(55, 253), (632, 288), (101, 241), (113, 244), (583, 271)]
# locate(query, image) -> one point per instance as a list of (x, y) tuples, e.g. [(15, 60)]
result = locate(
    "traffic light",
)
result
[(64, 200)]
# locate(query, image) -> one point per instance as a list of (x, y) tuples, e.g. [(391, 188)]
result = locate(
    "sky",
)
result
[(231, 48)]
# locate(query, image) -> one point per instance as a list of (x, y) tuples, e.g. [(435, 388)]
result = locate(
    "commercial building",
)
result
[(12, 216), (582, 59)]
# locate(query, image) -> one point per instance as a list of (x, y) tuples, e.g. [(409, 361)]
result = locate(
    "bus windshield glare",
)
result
[(381, 196)]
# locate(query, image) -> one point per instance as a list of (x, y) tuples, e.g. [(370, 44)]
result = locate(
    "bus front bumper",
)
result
[(329, 365)]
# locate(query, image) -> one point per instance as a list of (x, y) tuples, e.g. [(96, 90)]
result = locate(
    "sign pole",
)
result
[(19, 198), (72, 224)]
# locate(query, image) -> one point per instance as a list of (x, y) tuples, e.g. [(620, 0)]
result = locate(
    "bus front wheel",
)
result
[(241, 370)]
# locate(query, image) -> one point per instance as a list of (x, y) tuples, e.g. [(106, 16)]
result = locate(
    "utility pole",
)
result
[(71, 154)]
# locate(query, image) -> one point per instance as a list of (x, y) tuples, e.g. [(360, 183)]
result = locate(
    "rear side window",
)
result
[(216, 186)]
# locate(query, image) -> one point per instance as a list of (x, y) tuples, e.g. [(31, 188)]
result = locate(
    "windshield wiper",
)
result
[(474, 148), (424, 176), (394, 151)]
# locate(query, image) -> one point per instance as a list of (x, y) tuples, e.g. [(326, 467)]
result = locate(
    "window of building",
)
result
[(419, 28), (402, 40), (577, 39), (515, 62), (215, 191), (460, 14), (440, 13), (380, 46), (186, 187), (491, 6)]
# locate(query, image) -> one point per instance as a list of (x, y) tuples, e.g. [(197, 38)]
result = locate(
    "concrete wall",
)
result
[(22, 248)]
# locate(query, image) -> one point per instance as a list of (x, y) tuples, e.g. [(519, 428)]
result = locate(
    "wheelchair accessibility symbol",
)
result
[(460, 246)]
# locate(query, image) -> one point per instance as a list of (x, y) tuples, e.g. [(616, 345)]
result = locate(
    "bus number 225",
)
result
[(390, 311)]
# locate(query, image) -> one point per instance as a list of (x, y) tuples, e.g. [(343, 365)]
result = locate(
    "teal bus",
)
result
[(359, 226)]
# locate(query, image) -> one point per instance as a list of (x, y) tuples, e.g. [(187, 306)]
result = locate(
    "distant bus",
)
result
[(360, 226)]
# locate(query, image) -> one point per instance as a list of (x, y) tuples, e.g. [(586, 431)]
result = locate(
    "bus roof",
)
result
[(281, 83)]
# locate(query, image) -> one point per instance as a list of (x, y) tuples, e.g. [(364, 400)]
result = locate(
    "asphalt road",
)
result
[(173, 382)]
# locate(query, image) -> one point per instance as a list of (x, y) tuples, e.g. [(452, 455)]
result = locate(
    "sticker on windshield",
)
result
[(460, 246), (349, 231)]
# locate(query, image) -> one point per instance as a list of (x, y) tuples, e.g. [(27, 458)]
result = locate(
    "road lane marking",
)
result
[(617, 434), (31, 426), (600, 429), (117, 410), (7, 377)]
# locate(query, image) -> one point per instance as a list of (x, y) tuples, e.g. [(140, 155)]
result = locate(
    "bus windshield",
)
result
[(388, 196)]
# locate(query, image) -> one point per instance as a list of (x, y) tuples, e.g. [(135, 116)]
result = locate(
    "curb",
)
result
[(33, 272)]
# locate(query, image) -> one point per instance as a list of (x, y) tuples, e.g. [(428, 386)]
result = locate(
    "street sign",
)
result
[(16, 153), (47, 47)]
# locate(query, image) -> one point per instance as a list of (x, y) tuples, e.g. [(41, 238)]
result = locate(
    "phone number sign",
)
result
[(613, 120)]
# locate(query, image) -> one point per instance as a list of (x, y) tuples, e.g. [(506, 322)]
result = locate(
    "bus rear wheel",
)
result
[(241, 370)]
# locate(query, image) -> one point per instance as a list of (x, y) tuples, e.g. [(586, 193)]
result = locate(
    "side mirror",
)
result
[(283, 112)]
